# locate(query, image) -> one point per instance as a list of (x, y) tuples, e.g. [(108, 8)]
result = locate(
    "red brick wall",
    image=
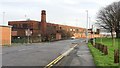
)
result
[(32, 25)]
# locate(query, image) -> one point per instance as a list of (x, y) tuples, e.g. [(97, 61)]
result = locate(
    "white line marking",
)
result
[(25, 49), (22, 50)]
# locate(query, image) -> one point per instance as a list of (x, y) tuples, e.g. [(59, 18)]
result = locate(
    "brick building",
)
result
[(45, 30), (5, 35)]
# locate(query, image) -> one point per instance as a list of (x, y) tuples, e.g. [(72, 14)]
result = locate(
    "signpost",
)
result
[(39, 37), (93, 30), (28, 33)]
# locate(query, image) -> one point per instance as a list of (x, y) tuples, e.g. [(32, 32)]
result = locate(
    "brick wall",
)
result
[(5, 35)]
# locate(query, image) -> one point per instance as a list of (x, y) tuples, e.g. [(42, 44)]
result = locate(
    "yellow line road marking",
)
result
[(59, 57)]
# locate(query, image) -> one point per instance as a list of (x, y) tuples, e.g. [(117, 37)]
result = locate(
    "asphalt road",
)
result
[(40, 54), (36, 54)]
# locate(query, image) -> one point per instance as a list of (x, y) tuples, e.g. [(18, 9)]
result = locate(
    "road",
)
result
[(40, 54)]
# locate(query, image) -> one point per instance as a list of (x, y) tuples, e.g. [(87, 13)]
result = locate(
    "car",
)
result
[(72, 38)]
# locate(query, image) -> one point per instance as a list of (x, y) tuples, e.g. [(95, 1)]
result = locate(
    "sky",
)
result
[(66, 12)]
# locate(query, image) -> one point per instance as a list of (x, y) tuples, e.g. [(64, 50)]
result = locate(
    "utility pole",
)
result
[(87, 28), (89, 22)]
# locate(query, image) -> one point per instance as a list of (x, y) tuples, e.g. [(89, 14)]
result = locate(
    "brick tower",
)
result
[(43, 22)]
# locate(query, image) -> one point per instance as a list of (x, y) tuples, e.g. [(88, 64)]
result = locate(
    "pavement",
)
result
[(40, 54), (80, 56)]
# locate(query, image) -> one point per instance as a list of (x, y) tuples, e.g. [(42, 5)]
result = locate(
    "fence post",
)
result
[(105, 50), (116, 56)]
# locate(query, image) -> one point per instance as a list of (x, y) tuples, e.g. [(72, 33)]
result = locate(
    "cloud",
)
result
[(70, 12)]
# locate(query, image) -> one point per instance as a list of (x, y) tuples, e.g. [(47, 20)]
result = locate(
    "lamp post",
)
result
[(89, 22), (3, 17), (87, 28)]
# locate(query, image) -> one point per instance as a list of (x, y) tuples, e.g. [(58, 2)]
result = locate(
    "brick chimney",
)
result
[(43, 22)]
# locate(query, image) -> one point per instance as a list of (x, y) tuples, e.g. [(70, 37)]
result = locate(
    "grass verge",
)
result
[(99, 58)]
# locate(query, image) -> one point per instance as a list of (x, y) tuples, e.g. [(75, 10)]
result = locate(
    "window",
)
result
[(14, 25), (24, 25)]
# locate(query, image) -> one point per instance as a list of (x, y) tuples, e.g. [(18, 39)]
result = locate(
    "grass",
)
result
[(99, 58)]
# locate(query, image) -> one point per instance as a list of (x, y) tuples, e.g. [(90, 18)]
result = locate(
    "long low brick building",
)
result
[(44, 30)]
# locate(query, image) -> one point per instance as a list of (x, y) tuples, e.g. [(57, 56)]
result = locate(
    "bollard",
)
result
[(105, 50), (116, 56), (102, 48)]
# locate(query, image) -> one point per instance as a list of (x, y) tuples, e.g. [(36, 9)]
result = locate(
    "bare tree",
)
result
[(109, 18)]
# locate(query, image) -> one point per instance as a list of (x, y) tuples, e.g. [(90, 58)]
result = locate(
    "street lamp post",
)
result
[(89, 22), (87, 28), (3, 17)]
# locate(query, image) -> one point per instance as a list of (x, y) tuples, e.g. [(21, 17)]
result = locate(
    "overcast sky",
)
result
[(67, 12)]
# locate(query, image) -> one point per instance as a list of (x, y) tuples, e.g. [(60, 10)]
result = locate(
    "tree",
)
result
[(65, 34), (109, 18)]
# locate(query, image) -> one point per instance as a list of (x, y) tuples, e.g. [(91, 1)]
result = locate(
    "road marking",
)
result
[(25, 49), (59, 57), (22, 50)]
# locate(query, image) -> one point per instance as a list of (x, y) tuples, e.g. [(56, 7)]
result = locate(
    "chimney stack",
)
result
[(43, 16), (43, 22)]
